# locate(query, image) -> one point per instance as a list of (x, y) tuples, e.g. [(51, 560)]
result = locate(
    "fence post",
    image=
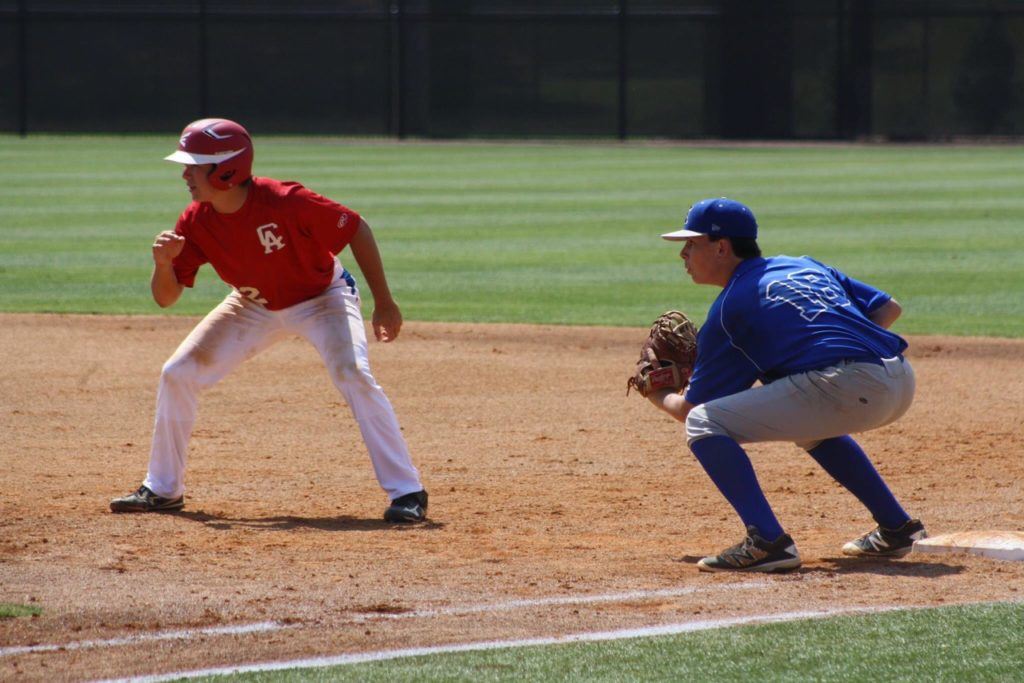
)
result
[(926, 51), (204, 62), (23, 68), (622, 27), (396, 55), (853, 90)]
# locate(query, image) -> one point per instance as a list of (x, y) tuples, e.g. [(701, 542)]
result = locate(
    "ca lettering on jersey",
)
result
[(268, 238), (808, 291)]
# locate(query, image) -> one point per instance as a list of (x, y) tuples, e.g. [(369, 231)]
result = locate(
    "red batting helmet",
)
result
[(221, 142)]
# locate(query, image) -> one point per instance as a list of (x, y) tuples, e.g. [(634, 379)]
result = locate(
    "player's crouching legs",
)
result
[(178, 384), (192, 369), (700, 425), (385, 444), (357, 384)]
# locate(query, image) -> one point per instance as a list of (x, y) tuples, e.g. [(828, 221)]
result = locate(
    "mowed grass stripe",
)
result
[(976, 643), (541, 233)]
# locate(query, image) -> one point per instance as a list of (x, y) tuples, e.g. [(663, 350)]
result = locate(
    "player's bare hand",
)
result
[(387, 321), (167, 246)]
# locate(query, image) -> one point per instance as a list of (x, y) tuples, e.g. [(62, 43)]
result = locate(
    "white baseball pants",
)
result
[(809, 407), (238, 329)]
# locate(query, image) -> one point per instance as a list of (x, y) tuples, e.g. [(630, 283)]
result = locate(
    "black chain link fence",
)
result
[(782, 69)]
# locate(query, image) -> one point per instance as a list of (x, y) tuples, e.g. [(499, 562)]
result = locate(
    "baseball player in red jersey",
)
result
[(275, 243)]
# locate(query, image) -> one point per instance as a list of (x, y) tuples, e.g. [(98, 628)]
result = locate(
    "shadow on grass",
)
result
[(287, 522)]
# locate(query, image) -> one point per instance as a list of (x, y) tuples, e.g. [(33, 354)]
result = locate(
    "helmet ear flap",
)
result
[(233, 171), (221, 178)]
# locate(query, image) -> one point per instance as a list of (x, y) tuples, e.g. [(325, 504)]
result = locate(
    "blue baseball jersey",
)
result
[(782, 315)]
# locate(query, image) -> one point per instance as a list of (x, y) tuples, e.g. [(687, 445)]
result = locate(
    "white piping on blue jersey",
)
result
[(721, 321)]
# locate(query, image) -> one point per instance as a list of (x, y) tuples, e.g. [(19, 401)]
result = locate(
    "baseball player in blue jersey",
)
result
[(818, 343)]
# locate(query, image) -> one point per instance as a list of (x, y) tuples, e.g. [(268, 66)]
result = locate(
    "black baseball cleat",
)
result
[(754, 554), (145, 500), (412, 507), (882, 542)]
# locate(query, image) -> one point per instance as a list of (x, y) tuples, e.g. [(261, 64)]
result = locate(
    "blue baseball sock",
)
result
[(847, 463), (729, 468)]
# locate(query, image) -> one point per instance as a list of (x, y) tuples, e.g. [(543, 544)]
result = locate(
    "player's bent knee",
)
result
[(700, 425), (177, 370), (354, 376), (185, 369), (348, 371), (808, 445)]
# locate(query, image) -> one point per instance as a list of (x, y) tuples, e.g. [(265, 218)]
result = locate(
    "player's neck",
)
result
[(724, 272), (230, 201)]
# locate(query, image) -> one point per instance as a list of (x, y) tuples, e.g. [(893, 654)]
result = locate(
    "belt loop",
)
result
[(893, 366)]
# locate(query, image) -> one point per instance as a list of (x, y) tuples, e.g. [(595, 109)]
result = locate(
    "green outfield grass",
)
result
[(552, 233), (568, 234), (976, 643)]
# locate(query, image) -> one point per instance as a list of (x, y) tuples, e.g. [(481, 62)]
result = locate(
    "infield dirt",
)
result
[(545, 481)]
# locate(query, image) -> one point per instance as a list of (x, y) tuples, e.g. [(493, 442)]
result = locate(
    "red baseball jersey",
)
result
[(277, 250)]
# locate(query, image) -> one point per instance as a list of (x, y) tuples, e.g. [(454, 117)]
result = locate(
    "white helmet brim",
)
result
[(183, 157)]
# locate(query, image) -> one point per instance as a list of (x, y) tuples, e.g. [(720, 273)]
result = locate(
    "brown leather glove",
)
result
[(667, 356)]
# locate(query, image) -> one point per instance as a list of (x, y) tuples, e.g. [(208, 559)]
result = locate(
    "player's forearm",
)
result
[(886, 314), (671, 402), (164, 285), (367, 255)]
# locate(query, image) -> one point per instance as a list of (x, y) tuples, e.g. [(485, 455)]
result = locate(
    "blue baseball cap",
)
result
[(717, 216)]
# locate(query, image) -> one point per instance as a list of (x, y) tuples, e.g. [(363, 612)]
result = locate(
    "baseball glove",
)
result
[(667, 356)]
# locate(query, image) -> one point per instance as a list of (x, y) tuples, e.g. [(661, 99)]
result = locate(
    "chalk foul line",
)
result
[(562, 600), (381, 655), (359, 617), (183, 634)]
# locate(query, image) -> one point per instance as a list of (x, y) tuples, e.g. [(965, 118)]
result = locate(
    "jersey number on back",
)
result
[(808, 291)]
